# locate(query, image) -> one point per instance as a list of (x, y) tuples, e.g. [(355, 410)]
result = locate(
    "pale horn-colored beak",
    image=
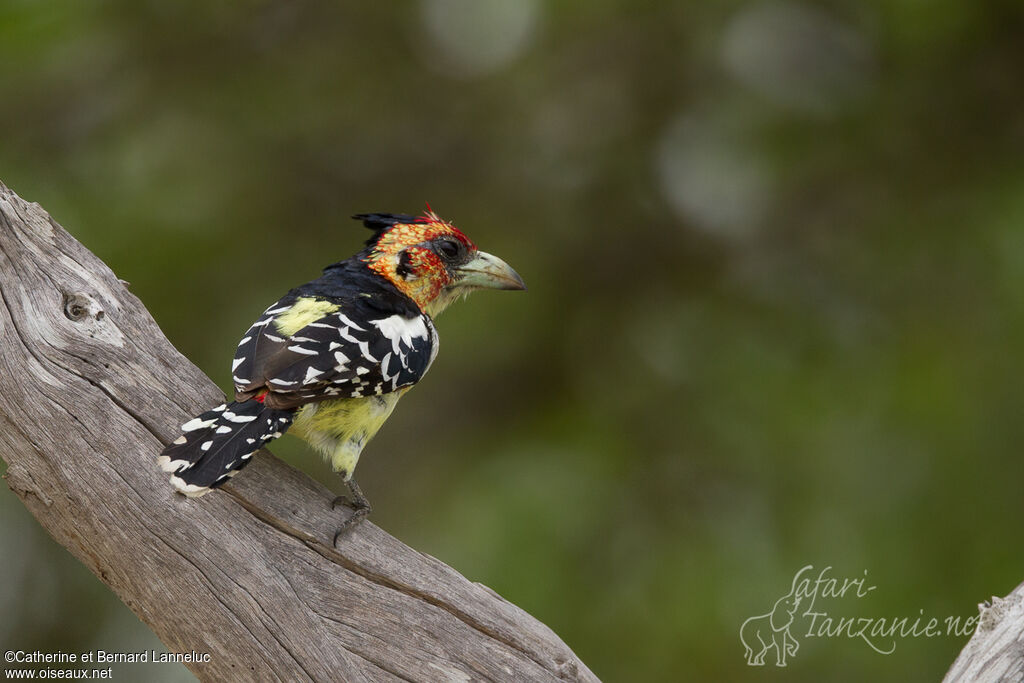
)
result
[(486, 271)]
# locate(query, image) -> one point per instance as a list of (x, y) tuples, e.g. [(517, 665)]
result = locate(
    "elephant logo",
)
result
[(771, 631)]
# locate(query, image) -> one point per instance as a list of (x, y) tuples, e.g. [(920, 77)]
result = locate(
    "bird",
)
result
[(331, 358)]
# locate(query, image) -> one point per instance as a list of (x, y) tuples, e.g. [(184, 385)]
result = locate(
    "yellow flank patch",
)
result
[(340, 428), (304, 311)]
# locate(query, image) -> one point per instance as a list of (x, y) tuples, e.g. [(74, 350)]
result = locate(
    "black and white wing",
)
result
[(350, 351)]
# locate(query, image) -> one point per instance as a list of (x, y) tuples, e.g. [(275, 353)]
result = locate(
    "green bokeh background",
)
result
[(776, 263)]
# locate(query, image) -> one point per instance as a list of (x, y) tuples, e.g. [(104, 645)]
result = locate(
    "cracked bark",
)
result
[(91, 390), (996, 650)]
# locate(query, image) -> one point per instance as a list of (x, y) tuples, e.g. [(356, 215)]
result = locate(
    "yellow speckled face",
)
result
[(406, 255)]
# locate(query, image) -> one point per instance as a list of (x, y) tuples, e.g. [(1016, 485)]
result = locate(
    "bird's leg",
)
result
[(359, 504)]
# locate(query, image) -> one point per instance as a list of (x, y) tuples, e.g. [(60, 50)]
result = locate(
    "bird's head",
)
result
[(430, 260)]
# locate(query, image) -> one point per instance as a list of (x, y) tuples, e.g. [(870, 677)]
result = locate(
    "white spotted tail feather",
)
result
[(218, 443)]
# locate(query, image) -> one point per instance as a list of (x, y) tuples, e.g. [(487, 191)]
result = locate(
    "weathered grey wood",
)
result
[(996, 650), (90, 390)]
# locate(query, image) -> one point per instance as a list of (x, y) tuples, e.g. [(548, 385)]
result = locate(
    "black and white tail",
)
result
[(218, 443)]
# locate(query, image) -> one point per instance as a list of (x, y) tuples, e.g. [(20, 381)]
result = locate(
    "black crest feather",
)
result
[(379, 222)]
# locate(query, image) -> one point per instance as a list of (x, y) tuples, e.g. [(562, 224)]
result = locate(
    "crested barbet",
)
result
[(331, 358)]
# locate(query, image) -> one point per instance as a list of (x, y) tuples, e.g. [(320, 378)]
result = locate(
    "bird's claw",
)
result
[(358, 515), (359, 505)]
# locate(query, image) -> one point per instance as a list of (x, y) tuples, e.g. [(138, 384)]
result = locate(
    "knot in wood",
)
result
[(567, 670), (79, 306)]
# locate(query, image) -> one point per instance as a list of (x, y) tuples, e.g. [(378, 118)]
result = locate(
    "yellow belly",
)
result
[(340, 428)]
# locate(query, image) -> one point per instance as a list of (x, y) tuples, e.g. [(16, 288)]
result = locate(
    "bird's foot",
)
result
[(360, 508)]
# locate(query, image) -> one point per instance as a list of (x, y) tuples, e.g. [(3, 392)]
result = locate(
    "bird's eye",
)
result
[(449, 249)]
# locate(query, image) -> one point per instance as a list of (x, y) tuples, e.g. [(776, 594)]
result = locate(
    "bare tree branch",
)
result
[(91, 390), (996, 650)]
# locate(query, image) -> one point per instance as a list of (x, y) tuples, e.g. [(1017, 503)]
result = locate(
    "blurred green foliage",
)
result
[(776, 266)]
